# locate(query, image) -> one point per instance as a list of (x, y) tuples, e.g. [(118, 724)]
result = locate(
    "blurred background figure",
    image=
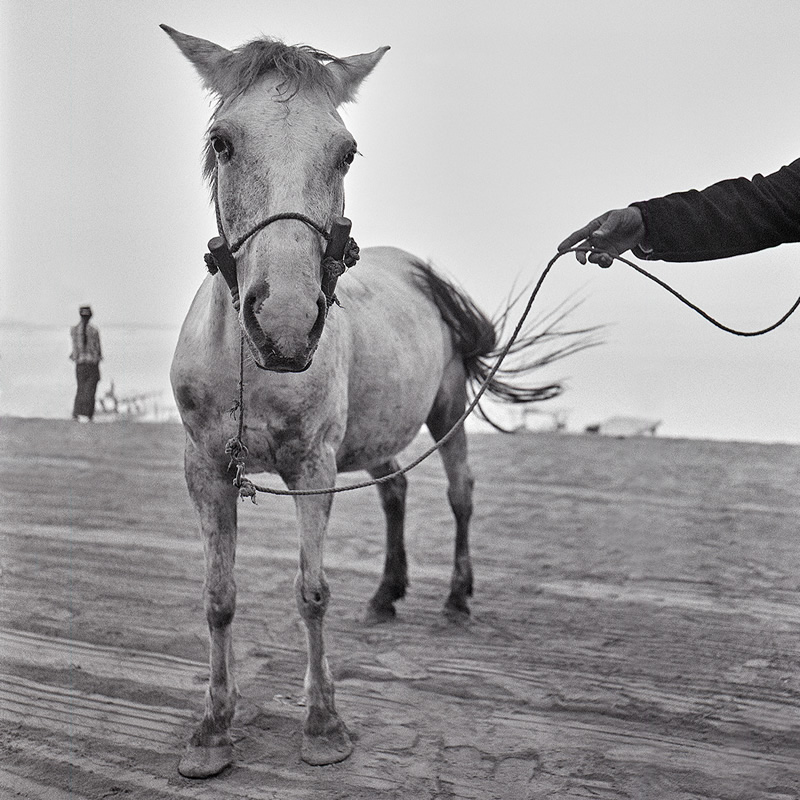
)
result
[(86, 354)]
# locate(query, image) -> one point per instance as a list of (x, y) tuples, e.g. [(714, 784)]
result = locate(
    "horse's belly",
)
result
[(400, 346), (379, 436), (390, 400)]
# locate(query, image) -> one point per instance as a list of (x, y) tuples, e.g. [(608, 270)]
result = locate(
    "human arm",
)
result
[(94, 344), (728, 218)]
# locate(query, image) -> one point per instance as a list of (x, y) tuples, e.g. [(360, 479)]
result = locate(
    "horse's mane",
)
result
[(298, 66)]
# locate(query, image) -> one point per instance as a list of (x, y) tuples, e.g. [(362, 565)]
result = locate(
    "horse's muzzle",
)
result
[(276, 365), (267, 353)]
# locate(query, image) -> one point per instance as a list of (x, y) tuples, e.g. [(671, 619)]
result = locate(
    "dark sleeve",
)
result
[(728, 218)]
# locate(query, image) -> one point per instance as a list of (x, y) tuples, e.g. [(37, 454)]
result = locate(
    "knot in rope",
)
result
[(247, 489), (351, 253), (334, 268), (236, 449), (211, 263)]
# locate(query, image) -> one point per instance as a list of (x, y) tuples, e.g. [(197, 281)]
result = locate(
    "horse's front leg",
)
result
[(325, 737), (210, 749)]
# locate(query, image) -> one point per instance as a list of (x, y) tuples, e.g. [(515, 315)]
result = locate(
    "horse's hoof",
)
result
[(457, 611), (378, 615), (203, 762), (328, 748)]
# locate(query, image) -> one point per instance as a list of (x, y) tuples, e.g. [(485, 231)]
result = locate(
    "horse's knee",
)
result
[(312, 597), (220, 604)]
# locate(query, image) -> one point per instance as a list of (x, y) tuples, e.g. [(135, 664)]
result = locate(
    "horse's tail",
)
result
[(479, 341)]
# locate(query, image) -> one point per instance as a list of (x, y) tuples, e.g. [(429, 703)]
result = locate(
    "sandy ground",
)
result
[(635, 630)]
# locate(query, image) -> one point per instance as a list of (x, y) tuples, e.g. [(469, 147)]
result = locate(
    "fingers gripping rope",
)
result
[(237, 450)]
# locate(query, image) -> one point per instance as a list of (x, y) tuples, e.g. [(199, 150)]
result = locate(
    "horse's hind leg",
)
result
[(210, 749), (395, 569), (448, 407)]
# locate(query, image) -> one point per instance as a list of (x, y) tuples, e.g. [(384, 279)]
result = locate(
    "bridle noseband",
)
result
[(341, 252)]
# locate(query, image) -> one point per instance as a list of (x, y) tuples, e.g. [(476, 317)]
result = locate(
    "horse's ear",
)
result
[(208, 58), (350, 72)]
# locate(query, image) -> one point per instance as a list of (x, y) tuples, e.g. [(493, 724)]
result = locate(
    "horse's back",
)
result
[(388, 272), (386, 305)]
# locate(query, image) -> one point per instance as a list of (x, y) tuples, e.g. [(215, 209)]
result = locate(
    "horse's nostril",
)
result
[(256, 296), (322, 313), (248, 310), (253, 303)]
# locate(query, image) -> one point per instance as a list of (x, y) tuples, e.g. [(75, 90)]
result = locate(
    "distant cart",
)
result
[(142, 407), (623, 427)]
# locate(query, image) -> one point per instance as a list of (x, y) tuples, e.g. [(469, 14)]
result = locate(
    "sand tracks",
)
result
[(631, 638)]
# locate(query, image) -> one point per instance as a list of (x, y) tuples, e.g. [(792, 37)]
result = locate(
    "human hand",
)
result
[(608, 235)]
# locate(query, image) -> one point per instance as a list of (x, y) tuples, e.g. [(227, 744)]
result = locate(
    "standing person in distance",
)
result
[(86, 354)]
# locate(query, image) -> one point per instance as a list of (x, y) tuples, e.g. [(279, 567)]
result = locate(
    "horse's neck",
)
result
[(221, 300), (208, 346), (223, 317), (212, 318)]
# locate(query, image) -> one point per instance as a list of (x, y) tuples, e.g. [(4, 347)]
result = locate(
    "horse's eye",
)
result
[(222, 147)]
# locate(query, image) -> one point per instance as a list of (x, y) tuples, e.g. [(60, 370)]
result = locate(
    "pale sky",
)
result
[(490, 131)]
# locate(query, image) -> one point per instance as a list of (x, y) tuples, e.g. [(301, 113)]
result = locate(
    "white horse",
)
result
[(326, 388)]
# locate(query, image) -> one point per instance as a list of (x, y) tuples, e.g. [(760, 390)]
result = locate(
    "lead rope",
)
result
[(237, 449), (235, 446)]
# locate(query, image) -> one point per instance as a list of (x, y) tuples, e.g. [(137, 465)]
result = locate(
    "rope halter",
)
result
[(341, 253)]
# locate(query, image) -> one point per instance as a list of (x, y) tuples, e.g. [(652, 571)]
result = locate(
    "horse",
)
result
[(332, 382)]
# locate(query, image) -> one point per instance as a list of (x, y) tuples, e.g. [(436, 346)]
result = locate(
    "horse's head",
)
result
[(277, 144)]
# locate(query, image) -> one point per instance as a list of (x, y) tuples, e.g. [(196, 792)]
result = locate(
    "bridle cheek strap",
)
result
[(341, 253), (220, 259)]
